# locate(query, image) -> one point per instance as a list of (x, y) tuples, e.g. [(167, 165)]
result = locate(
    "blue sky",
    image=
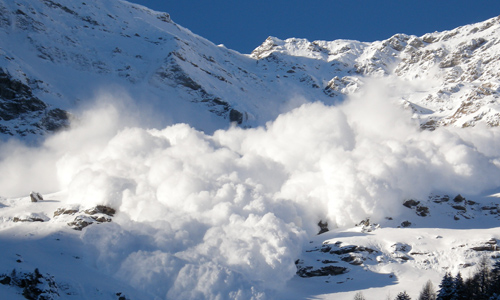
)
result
[(244, 25)]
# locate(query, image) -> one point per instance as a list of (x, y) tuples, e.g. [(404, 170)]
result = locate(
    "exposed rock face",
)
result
[(458, 198), (64, 211), (367, 226), (28, 219), (235, 116), (405, 224), (491, 245), (323, 227), (461, 207), (420, 210), (323, 271), (33, 285), (17, 98), (411, 203), (466, 75), (101, 209), (335, 259), (95, 215), (19, 105)]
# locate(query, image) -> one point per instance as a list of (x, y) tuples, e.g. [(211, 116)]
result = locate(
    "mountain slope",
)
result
[(66, 53), (138, 206), (457, 70)]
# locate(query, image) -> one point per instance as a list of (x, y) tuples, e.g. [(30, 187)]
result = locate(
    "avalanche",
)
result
[(228, 214), (191, 171)]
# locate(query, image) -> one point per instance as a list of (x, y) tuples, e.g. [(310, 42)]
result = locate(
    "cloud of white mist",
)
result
[(227, 214), (50, 166)]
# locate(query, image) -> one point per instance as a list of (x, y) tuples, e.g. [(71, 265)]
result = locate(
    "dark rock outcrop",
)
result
[(235, 116), (33, 285), (422, 211), (35, 197), (19, 105), (323, 271), (98, 214), (101, 209), (64, 211), (27, 219), (405, 224), (323, 227), (490, 245), (458, 199), (411, 203), (16, 98)]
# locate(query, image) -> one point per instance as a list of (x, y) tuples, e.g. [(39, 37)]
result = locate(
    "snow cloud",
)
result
[(227, 214)]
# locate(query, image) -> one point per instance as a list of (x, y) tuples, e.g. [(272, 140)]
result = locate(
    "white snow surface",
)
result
[(70, 52), (205, 210)]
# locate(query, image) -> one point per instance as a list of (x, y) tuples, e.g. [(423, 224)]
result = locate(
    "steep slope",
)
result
[(136, 209), (65, 52), (432, 236), (60, 55), (452, 77)]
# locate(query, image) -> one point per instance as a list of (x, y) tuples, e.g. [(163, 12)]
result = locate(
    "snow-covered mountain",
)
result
[(58, 55), (456, 71), (149, 192)]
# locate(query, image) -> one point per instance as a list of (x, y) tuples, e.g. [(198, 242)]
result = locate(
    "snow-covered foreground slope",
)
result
[(179, 214), (138, 260)]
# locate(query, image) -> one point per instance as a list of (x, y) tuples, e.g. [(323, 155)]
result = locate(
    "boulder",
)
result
[(323, 227), (458, 198), (101, 209), (411, 203), (35, 197), (406, 224)]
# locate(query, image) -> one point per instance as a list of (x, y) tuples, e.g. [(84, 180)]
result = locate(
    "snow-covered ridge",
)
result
[(460, 67), (66, 51)]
